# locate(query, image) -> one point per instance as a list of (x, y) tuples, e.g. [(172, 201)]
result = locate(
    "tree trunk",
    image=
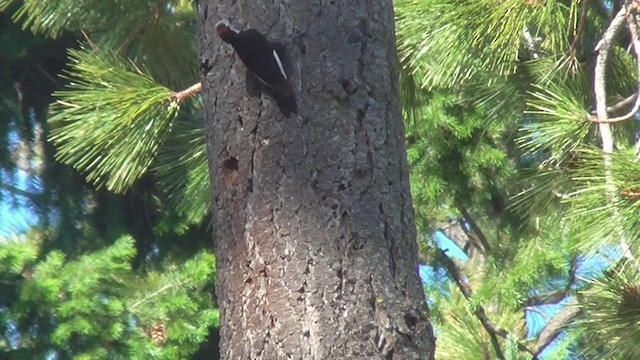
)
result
[(313, 222)]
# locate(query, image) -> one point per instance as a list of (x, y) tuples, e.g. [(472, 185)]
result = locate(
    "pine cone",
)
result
[(157, 333)]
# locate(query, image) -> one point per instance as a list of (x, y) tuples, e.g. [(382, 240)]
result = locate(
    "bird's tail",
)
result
[(286, 100)]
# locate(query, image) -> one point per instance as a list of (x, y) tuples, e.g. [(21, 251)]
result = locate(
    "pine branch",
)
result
[(548, 298), (532, 45), (455, 272), (635, 36), (186, 94), (606, 134), (622, 103), (554, 297), (603, 47), (111, 119), (584, 10), (133, 307), (573, 269), (492, 329), (479, 234), (150, 20), (556, 326), (19, 192), (459, 235)]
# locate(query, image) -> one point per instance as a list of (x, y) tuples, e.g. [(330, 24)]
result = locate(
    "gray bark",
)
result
[(313, 222)]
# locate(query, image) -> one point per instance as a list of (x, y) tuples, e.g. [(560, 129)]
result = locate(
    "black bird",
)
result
[(265, 60)]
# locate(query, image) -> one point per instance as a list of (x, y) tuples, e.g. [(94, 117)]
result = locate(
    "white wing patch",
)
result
[(275, 56)]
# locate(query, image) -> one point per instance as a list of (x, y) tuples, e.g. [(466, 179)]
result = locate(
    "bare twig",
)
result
[(581, 25), (556, 326), (477, 231), (622, 103), (603, 47), (573, 269), (493, 330), (133, 307), (18, 192), (552, 297), (86, 37), (532, 44), (603, 52), (181, 96)]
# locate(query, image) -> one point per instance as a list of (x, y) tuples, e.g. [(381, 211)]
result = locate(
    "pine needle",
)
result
[(110, 120)]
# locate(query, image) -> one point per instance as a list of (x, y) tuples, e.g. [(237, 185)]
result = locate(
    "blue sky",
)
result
[(538, 316), (15, 216)]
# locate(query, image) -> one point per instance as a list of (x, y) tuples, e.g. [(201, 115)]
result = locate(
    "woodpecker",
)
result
[(264, 59)]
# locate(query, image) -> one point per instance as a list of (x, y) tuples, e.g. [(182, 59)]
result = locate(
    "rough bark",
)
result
[(313, 221)]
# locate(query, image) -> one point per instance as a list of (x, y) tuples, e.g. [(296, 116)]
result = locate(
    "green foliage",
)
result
[(95, 307), (455, 42), (150, 40), (562, 127), (52, 17), (111, 120), (592, 205), (498, 100), (512, 352), (453, 154), (119, 86), (75, 287), (183, 154), (461, 335), (147, 31), (14, 256), (612, 307), (563, 349)]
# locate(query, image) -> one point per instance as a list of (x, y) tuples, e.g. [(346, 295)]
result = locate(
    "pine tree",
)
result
[(119, 123), (522, 150), (314, 232), (97, 307), (523, 160), (107, 262)]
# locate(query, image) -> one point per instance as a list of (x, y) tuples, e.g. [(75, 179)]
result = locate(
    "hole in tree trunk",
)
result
[(230, 173), (410, 320)]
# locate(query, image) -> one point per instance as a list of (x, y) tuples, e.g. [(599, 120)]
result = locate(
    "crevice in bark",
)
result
[(392, 254)]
